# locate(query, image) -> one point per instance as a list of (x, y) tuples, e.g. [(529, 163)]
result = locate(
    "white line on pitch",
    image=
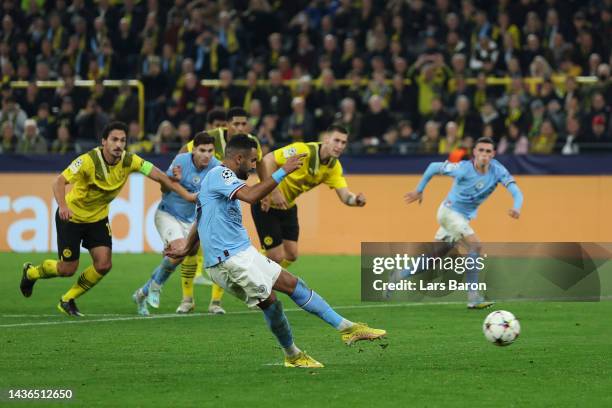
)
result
[(120, 318)]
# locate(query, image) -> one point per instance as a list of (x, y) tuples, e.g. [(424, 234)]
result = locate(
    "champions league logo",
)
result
[(228, 177)]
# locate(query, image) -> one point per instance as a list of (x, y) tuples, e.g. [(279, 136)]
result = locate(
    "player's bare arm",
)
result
[(351, 199), (269, 166), (161, 177), (413, 196), (181, 248), (59, 192), (252, 194)]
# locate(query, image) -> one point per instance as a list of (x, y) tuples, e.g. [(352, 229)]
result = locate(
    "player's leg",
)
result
[(290, 231), (250, 276), (97, 238), (278, 324), (268, 225), (313, 303), (69, 237), (152, 289), (200, 276), (188, 270), (474, 247)]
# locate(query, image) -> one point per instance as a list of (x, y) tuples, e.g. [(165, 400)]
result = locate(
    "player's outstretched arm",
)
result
[(252, 194), (268, 166), (517, 196), (163, 179), (59, 192), (351, 199), (433, 169), (413, 196)]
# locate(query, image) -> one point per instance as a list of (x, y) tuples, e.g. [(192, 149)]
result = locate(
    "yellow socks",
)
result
[(46, 270), (88, 279), (285, 263), (188, 270), (217, 293)]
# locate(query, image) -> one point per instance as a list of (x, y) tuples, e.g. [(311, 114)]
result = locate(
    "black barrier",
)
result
[(594, 164)]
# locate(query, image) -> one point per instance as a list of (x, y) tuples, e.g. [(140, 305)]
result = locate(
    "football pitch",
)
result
[(435, 354)]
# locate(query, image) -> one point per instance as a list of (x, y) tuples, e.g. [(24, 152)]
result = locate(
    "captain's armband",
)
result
[(146, 168)]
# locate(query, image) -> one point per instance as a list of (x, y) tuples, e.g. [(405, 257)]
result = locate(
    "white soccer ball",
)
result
[(501, 328)]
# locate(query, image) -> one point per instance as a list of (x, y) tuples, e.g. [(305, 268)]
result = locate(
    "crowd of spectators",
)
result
[(404, 76)]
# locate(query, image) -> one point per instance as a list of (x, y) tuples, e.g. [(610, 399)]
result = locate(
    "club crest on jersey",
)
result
[(448, 166), (76, 165), (228, 176), (196, 180), (289, 152), (67, 253), (479, 185)]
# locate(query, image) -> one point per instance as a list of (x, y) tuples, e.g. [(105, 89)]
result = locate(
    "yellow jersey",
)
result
[(311, 174), (96, 183), (220, 136)]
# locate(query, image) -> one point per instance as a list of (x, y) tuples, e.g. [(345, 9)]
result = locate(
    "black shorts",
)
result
[(275, 225), (71, 234)]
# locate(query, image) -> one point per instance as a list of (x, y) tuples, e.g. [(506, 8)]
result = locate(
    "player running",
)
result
[(239, 268), (276, 218), (474, 182), (237, 122), (173, 220), (82, 215)]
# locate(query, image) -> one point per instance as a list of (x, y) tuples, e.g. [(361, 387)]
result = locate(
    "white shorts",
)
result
[(248, 275), (169, 227), (453, 225)]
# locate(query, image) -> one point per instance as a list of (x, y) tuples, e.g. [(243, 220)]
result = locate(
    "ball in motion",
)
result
[(501, 328)]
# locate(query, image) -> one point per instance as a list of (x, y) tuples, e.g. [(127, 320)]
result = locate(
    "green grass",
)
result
[(436, 354)]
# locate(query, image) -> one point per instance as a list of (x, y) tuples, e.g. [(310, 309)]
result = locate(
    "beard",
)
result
[(242, 174)]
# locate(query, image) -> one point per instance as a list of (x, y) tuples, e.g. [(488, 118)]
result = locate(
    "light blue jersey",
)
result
[(471, 188), (220, 228), (191, 179)]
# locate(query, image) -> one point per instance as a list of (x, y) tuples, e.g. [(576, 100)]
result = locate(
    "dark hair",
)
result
[(239, 143), (236, 111), (116, 125), (486, 140), (215, 114), (336, 127), (203, 138)]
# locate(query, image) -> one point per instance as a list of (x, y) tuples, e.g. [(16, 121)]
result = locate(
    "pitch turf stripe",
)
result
[(119, 318)]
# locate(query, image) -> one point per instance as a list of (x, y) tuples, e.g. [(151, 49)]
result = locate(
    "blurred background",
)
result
[(413, 81)]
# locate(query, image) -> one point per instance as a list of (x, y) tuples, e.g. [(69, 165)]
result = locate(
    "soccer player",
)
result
[(276, 217), (239, 268), (173, 220), (474, 182), (216, 118), (82, 215), (237, 122)]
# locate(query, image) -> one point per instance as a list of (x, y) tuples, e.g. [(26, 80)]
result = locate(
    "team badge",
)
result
[(76, 165), (67, 253), (479, 185), (288, 152), (268, 240), (261, 289), (196, 180)]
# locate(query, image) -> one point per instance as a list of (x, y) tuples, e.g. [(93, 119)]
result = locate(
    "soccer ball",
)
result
[(501, 328)]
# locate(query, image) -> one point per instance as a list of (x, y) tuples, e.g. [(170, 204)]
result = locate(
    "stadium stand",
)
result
[(406, 77)]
